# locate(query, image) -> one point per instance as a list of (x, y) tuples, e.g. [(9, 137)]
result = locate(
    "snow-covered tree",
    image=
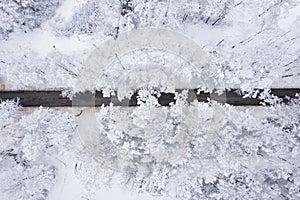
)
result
[(21, 179), (27, 69), (224, 152), (92, 16), (28, 143), (24, 15), (184, 151)]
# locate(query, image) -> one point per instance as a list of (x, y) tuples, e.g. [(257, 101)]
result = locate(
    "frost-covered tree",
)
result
[(46, 132), (254, 43), (24, 15), (225, 152), (29, 147), (21, 179), (110, 17), (248, 59), (186, 151), (29, 70), (92, 16)]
